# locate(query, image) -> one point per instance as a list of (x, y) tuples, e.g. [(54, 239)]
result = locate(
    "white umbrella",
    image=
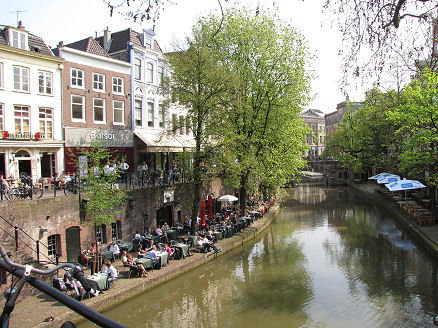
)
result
[(379, 176), (388, 179), (227, 198), (404, 185)]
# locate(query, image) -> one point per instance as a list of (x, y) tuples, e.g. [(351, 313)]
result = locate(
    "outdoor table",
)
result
[(125, 246), (194, 239), (98, 281), (183, 247), (107, 255), (147, 263), (218, 235), (164, 257), (172, 235)]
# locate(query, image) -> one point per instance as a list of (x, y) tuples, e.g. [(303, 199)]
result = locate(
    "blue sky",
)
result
[(68, 21)]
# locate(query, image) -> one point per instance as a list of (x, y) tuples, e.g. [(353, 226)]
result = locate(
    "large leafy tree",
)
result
[(198, 81), (366, 140), (262, 133), (418, 128)]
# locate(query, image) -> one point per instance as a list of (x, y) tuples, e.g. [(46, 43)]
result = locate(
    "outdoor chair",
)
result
[(133, 271)]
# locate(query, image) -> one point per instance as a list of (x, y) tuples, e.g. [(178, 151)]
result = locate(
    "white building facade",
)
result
[(31, 140), (151, 119)]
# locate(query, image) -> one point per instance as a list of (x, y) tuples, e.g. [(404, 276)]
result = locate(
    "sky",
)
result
[(69, 21)]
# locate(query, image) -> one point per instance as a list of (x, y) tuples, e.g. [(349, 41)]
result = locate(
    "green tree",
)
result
[(197, 81), (262, 132), (417, 119), (366, 139)]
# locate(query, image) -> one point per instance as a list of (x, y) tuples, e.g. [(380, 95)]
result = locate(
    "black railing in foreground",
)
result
[(19, 241), (18, 270)]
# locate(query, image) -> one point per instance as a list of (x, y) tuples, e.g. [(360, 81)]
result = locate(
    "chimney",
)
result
[(60, 44), (20, 25), (106, 39)]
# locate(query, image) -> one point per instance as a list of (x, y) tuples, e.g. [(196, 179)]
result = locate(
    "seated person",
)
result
[(168, 249), (141, 253), (114, 248), (132, 264), (108, 269), (3, 183), (149, 245), (93, 249), (124, 257), (156, 260), (137, 235), (207, 244), (165, 227)]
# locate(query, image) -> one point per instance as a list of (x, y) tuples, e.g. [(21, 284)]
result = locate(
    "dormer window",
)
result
[(148, 38), (18, 39)]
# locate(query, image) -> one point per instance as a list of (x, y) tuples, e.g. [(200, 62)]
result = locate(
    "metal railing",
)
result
[(19, 242)]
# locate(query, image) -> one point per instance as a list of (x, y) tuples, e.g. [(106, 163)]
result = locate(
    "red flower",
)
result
[(37, 135), (5, 134)]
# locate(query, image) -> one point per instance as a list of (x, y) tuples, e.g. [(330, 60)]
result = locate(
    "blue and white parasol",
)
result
[(404, 185)]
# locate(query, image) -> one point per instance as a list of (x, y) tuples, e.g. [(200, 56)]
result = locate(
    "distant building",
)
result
[(31, 139), (333, 119), (316, 139), (96, 101)]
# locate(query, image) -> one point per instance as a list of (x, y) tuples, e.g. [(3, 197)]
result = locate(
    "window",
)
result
[(118, 85), (181, 124), (101, 234), (149, 73), (138, 112), (18, 40), (22, 122), (118, 109), (46, 123), (137, 69), (45, 83), (77, 108), (98, 82), (21, 79), (1, 75), (162, 114), (150, 114), (148, 42), (99, 110), (116, 230), (54, 245), (77, 78), (160, 74), (174, 122), (2, 117)]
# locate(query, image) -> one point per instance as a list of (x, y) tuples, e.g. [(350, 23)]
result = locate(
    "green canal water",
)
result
[(329, 259)]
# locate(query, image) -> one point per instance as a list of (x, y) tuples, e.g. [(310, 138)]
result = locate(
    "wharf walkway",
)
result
[(31, 311), (425, 235)]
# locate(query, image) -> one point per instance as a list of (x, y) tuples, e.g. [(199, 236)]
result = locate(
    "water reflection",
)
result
[(328, 260)]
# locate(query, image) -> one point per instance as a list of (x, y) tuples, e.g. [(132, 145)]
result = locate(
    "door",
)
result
[(73, 243), (164, 214)]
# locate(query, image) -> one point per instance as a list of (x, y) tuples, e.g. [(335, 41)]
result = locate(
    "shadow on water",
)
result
[(329, 259)]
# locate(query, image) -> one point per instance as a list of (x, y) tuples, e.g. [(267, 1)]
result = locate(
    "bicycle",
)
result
[(70, 187), (24, 273)]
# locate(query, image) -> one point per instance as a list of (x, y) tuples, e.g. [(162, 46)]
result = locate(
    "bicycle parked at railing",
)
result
[(24, 273), (25, 188)]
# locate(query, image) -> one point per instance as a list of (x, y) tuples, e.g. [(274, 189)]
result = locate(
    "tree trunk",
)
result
[(243, 192), (197, 186)]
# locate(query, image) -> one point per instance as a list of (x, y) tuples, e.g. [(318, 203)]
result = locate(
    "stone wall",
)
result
[(40, 218)]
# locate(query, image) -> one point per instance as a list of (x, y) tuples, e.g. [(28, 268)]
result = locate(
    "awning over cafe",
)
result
[(165, 143)]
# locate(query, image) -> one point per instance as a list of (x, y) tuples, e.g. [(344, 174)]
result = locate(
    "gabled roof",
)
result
[(89, 45), (35, 43), (312, 113), (120, 39)]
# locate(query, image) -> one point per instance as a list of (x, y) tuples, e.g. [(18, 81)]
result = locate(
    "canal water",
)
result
[(329, 259)]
